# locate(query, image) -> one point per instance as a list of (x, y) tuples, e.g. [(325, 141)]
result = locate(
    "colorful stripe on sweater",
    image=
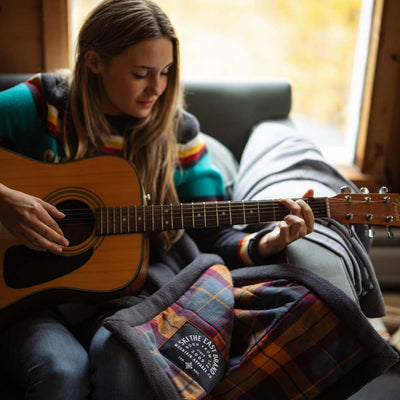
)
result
[(196, 178), (191, 152), (50, 111), (114, 146), (243, 249)]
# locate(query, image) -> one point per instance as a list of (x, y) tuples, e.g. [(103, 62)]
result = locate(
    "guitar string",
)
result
[(238, 218), (190, 210), (234, 209), (238, 205), (213, 221), (233, 204), (212, 218)]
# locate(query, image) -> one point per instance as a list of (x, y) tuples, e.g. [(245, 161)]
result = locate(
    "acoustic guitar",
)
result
[(107, 223)]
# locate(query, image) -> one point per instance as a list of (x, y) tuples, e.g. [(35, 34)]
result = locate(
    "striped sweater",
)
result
[(30, 122)]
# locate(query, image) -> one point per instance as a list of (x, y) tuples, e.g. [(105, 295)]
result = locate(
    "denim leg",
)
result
[(45, 359), (116, 374)]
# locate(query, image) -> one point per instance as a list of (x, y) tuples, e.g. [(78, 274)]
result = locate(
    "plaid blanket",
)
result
[(270, 332)]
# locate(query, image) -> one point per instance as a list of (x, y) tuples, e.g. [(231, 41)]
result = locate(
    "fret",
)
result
[(152, 217), (223, 217), (120, 220), (159, 218), (273, 210), (139, 219), (204, 214), (128, 212), (164, 218), (108, 222), (262, 211), (193, 224), (136, 219), (168, 217), (144, 218), (174, 216), (199, 215), (327, 206), (247, 212), (230, 212), (101, 221), (182, 216), (212, 216), (254, 213)]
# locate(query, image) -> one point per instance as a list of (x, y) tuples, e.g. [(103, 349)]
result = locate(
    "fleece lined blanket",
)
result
[(266, 332)]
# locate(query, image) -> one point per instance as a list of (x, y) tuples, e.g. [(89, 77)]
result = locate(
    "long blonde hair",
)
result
[(151, 144)]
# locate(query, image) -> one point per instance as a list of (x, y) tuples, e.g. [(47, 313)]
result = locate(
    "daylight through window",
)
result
[(320, 46)]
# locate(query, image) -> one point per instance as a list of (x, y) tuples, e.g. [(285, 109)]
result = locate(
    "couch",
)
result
[(227, 112)]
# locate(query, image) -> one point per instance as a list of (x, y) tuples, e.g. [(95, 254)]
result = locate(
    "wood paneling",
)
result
[(34, 35), (20, 36), (378, 143), (56, 34)]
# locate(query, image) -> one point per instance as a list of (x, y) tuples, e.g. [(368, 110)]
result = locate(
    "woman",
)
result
[(124, 97)]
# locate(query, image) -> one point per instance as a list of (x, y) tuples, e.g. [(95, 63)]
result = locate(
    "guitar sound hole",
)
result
[(79, 221)]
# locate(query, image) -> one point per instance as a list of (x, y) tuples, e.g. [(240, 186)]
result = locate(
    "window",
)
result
[(320, 46)]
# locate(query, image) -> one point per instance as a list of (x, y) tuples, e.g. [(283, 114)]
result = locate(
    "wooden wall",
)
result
[(379, 136), (34, 35)]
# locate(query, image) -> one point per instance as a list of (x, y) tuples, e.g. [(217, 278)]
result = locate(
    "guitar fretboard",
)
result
[(153, 218)]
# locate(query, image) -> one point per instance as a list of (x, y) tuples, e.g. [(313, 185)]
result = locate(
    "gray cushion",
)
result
[(228, 110)]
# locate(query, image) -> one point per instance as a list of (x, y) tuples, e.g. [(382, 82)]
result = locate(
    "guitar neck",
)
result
[(153, 218)]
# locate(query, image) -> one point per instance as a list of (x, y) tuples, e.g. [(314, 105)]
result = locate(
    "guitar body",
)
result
[(92, 267)]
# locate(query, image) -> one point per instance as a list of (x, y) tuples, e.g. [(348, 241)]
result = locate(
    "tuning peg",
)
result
[(389, 233), (364, 190), (345, 189), (371, 232), (383, 190)]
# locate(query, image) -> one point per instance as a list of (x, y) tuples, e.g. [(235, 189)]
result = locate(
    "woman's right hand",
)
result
[(31, 220)]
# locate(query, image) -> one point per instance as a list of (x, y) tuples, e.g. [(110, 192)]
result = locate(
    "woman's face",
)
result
[(134, 80)]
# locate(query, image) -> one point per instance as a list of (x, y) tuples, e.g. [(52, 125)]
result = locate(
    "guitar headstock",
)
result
[(366, 208)]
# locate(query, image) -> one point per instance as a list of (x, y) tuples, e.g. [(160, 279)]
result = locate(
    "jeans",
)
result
[(42, 356)]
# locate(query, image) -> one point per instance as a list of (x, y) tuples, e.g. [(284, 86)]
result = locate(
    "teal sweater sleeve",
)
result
[(21, 128), (196, 178)]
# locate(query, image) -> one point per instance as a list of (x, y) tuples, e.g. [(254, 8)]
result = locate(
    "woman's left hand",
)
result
[(294, 226)]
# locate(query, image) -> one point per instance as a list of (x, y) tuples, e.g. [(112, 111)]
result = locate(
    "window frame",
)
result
[(376, 158)]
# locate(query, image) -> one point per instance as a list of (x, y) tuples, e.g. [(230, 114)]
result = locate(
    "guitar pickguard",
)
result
[(25, 268)]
